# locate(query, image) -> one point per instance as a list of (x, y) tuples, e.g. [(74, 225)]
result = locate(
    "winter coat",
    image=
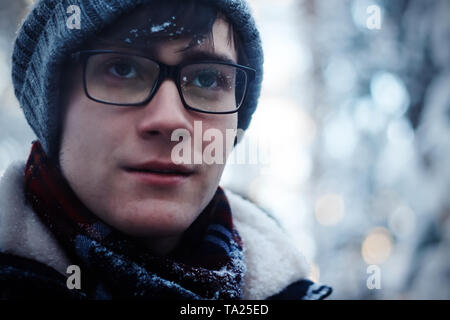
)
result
[(34, 265)]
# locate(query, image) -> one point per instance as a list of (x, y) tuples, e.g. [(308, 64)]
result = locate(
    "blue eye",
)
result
[(206, 79), (123, 70)]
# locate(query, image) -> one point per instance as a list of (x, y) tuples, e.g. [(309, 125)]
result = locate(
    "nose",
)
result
[(164, 113)]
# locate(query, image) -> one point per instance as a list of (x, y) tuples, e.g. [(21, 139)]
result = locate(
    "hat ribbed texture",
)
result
[(44, 42)]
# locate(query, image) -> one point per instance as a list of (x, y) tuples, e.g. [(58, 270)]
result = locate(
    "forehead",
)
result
[(172, 38), (172, 51)]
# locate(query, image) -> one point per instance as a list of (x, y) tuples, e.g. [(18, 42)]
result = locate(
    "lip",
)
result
[(160, 173)]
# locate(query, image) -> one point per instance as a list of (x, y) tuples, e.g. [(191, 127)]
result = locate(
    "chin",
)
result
[(156, 222)]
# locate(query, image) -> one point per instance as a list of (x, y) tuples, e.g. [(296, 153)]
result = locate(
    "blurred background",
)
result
[(349, 146)]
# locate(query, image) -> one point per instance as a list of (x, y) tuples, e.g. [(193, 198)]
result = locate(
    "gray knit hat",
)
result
[(44, 42)]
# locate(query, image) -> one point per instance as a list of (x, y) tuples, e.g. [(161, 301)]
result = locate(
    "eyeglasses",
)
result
[(124, 79)]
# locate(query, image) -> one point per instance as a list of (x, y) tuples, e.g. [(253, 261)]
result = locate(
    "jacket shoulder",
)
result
[(272, 260), (276, 269), (21, 231)]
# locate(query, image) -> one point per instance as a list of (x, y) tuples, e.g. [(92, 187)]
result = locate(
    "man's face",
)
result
[(100, 143)]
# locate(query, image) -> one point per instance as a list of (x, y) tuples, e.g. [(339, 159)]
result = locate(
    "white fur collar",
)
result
[(272, 261), (21, 231)]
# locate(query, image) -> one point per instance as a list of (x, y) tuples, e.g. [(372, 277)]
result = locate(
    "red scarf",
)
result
[(207, 264)]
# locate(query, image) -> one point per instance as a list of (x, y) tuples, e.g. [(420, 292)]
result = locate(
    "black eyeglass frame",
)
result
[(165, 72)]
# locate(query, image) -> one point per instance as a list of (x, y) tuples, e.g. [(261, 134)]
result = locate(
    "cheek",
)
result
[(218, 136), (222, 123), (87, 154), (89, 128), (86, 141), (78, 135)]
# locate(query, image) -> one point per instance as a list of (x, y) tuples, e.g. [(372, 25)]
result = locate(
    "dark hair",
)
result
[(163, 20)]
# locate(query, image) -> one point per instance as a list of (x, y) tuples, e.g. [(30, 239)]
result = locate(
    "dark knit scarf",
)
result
[(206, 264)]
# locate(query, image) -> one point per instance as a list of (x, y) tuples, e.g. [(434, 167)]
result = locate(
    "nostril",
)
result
[(153, 132)]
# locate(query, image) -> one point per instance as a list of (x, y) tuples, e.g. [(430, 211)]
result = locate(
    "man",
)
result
[(103, 194)]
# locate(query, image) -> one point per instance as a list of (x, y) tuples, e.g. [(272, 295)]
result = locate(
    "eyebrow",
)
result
[(190, 55), (196, 55)]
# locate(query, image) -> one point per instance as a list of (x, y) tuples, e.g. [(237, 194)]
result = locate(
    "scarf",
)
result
[(206, 264)]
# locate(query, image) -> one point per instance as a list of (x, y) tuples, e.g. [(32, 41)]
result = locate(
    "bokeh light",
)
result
[(359, 12), (389, 93), (377, 246)]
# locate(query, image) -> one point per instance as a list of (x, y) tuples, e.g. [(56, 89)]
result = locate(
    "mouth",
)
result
[(161, 174)]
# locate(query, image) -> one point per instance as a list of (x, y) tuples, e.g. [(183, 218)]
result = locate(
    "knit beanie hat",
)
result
[(44, 42)]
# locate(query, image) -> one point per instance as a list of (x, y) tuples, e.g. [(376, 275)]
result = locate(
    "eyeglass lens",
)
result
[(127, 79)]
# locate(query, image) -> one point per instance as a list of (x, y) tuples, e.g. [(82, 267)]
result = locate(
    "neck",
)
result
[(161, 246)]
